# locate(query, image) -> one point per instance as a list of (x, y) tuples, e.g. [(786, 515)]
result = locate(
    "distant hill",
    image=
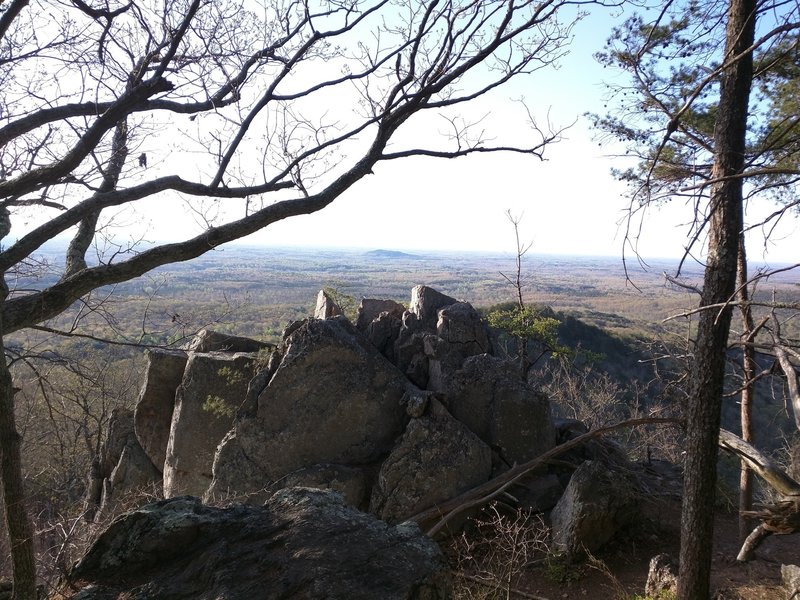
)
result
[(390, 254)]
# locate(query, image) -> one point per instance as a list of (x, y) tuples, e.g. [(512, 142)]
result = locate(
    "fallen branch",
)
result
[(486, 492), (781, 518), (763, 466)]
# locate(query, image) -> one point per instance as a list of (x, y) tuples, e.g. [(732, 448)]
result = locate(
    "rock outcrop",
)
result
[(509, 414), (331, 399), (436, 458), (302, 544), (597, 503), (122, 465), (153, 416), (212, 390)]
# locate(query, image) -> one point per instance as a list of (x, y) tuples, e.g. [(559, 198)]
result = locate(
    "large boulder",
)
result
[(598, 502), (507, 413), (301, 545), (425, 304), (436, 459), (207, 340), (156, 402), (371, 308), (213, 389), (332, 399), (326, 307)]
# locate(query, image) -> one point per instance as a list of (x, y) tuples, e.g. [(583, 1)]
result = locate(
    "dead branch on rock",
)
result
[(443, 513)]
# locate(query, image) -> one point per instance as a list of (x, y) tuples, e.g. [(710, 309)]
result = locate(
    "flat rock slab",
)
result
[(303, 544)]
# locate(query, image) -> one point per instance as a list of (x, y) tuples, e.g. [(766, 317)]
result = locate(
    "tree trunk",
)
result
[(18, 525), (748, 389), (708, 371)]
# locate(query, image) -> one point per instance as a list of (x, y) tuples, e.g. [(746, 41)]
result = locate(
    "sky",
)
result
[(568, 203)]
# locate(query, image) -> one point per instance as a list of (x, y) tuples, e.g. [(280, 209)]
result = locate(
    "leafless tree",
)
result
[(249, 111)]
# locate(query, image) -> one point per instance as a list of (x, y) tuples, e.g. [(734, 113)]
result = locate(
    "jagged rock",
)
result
[(437, 458), (134, 469), (371, 309), (416, 402), (122, 465), (662, 577), (790, 575), (153, 414), (332, 399), (461, 326), (120, 430), (301, 545), (207, 340), (597, 503), (510, 415), (212, 390), (326, 307), (350, 482), (383, 332), (425, 304)]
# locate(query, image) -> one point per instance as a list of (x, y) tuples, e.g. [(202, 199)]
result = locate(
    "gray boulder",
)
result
[(425, 304), (153, 414), (326, 307), (332, 399), (662, 577), (510, 415), (371, 309), (207, 340), (351, 482), (213, 389), (597, 503), (462, 328), (436, 459), (790, 575), (301, 545)]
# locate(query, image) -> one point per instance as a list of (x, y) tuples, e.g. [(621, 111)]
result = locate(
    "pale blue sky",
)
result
[(571, 203)]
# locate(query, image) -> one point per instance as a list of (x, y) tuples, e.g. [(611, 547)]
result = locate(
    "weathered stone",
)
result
[(409, 353), (790, 575), (213, 388), (350, 482), (326, 307), (425, 304), (207, 340), (370, 309), (416, 402), (156, 402), (122, 465), (236, 478), (436, 459), (332, 399), (461, 326), (597, 503), (510, 415), (383, 332), (301, 545), (662, 577), (120, 430), (134, 469)]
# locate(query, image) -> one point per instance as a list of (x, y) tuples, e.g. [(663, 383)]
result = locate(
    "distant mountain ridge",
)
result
[(380, 253)]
